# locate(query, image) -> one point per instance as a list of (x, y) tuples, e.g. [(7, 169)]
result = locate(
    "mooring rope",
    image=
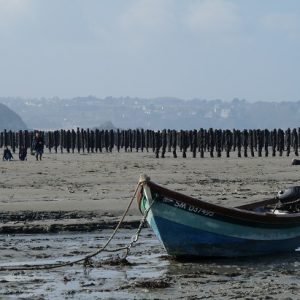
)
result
[(86, 260)]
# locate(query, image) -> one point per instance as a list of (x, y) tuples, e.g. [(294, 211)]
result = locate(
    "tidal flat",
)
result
[(147, 274), (67, 205)]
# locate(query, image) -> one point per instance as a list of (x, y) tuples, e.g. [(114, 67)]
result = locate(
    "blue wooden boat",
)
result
[(188, 227)]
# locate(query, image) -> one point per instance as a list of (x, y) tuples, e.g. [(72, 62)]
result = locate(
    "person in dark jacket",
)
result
[(23, 154), (295, 162), (38, 146), (7, 154)]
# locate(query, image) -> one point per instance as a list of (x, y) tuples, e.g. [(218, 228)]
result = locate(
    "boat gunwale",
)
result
[(238, 213)]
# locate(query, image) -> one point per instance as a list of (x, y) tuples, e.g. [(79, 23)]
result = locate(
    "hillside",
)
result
[(159, 113), (10, 120)]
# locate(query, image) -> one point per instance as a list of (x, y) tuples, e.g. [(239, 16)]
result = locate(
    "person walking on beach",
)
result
[(38, 146), (7, 154)]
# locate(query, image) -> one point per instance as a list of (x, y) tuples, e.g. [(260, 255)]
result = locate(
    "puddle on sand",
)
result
[(150, 274)]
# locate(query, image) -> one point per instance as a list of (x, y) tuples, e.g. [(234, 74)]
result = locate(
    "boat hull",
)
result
[(190, 231)]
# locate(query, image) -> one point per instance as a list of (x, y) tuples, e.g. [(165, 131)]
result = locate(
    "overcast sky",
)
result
[(204, 49)]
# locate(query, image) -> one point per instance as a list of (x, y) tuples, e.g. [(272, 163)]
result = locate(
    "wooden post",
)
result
[(147, 140), (218, 139), (27, 139), (251, 142), (259, 142), (228, 142), (101, 138), (142, 140), (194, 143), (239, 142), (137, 140), (169, 140), (111, 140), (126, 139), (245, 142), (87, 140), (50, 140), (73, 140), (266, 141), (20, 139), (78, 140), (13, 142), (174, 143), (211, 142), (184, 141), (56, 140), (82, 140), (274, 141), (68, 138), (130, 136), (201, 142), (5, 138), (164, 143), (280, 141), (288, 141), (61, 141), (31, 137), (97, 140), (157, 143), (295, 141)]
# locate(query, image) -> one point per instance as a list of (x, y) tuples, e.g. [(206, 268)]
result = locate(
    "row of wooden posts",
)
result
[(246, 143)]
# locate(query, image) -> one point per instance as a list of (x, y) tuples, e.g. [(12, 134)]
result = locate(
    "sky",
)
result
[(207, 49)]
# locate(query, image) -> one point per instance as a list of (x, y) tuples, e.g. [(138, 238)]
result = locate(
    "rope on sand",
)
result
[(86, 260)]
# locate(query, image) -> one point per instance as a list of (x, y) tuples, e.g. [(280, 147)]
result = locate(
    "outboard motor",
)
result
[(289, 199)]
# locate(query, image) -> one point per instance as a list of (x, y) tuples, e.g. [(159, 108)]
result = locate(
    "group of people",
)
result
[(37, 146), (7, 155)]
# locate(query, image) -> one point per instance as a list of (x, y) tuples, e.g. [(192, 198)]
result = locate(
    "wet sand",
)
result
[(149, 273), (85, 192)]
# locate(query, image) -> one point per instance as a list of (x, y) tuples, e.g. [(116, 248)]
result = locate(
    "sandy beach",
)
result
[(51, 199), (75, 189)]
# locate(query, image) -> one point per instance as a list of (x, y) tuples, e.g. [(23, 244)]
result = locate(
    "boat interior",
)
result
[(286, 201)]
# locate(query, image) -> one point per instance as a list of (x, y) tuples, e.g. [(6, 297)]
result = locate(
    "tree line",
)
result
[(213, 142)]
